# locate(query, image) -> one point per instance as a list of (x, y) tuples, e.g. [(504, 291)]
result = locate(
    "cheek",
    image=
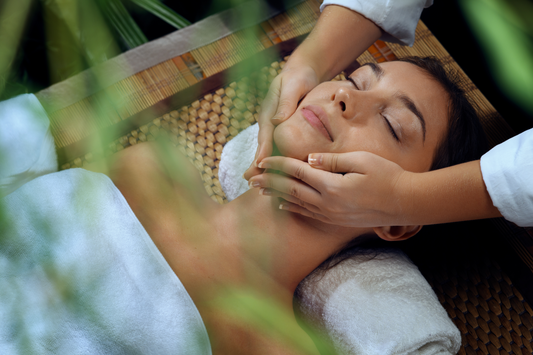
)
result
[(291, 141)]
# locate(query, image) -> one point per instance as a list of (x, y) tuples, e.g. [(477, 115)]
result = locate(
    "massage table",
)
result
[(202, 85)]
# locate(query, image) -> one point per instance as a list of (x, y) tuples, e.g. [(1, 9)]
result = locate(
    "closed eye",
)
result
[(391, 129), (353, 82), (393, 133)]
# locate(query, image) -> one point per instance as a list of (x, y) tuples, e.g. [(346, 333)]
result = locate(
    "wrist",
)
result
[(404, 190), (324, 51)]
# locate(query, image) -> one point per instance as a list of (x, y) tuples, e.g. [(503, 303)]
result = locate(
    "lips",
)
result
[(317, 117)]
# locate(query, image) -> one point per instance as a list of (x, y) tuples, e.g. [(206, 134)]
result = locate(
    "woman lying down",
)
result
[(100, 276)]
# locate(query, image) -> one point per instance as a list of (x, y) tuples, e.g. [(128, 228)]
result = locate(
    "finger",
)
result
[(273, 193), (300, 170), (264, 140), (352, 162), (289, 97), (291, 207), (253, 169), (288, 186), (264, 149), (269, 106), (251, 172)]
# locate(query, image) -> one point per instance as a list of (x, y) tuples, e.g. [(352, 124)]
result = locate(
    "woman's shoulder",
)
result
[(157, 174)]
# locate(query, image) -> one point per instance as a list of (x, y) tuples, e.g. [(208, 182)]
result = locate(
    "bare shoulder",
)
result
[(149, 174)]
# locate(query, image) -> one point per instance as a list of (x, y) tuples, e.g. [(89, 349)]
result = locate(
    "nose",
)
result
[(344, 100)]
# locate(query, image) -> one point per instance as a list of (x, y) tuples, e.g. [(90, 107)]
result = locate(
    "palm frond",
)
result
[(157, 8), (121, 20)]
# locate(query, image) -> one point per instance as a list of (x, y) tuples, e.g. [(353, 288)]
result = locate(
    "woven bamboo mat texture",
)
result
[(144, 89), (483, 302), (480, 298)]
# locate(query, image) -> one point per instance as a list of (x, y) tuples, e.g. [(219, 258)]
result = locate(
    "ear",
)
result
[(396, 233)]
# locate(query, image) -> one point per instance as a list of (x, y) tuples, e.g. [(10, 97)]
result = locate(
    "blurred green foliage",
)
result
[(504, 29), (75, 34)]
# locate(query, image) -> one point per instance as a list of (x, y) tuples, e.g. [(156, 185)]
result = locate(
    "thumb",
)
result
[(352, 162), (287, 106), (288, 101)]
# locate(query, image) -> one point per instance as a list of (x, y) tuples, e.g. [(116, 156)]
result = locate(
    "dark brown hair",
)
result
[(464, 139)]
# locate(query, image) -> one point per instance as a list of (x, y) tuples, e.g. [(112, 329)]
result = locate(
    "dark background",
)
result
[(445, 20)]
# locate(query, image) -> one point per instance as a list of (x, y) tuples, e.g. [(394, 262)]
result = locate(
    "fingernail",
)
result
[(263, 165), (279, 116), (283, 206), (314, 159), (254, 183), (265, 192)]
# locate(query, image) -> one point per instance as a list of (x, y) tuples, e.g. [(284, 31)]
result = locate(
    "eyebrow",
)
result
[(376, 69), (406, 100)]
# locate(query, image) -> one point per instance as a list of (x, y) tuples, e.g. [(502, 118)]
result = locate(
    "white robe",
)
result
[(397, 18)]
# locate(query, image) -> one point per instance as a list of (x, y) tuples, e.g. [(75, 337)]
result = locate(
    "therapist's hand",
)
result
[(320, 57), (370, 192), (285, 91)]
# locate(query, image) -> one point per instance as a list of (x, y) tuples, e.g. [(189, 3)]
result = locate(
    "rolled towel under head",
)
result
[(237, 155), (381, 305), (377, 305)]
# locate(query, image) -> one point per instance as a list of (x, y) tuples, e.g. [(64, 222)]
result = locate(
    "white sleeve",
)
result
[(397, 18), (508, 174)]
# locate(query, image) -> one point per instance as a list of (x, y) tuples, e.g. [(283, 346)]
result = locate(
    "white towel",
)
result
[(381, 306), (26, 145), (78, 272), (378, 306), (80, 275), (237, 156)]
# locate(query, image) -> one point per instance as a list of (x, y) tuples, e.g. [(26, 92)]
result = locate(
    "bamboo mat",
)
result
[(203, 98)]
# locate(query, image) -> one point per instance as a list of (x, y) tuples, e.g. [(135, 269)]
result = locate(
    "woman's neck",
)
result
[(287, 246)]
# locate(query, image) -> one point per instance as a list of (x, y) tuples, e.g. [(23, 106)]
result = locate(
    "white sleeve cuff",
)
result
[(507, 171), (397, 18)]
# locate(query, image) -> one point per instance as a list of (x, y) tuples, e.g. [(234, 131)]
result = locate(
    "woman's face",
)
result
[(394, 110)]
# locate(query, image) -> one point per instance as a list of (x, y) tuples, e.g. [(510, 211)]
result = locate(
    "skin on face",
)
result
[(394, 110)]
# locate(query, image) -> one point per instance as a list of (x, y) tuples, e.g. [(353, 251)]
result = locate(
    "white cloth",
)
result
[(378, 306), (26, 145), (383, 306), (80, 275), (397, 18), (507, 171), (78, 272), (236, 157)]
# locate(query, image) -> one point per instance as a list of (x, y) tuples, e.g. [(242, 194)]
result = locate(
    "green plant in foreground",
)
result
[(504, 29)]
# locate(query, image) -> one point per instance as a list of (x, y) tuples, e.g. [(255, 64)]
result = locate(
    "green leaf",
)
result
[(122, 22), (251, 309), (156, 8), (12, 21), (506, 40)]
